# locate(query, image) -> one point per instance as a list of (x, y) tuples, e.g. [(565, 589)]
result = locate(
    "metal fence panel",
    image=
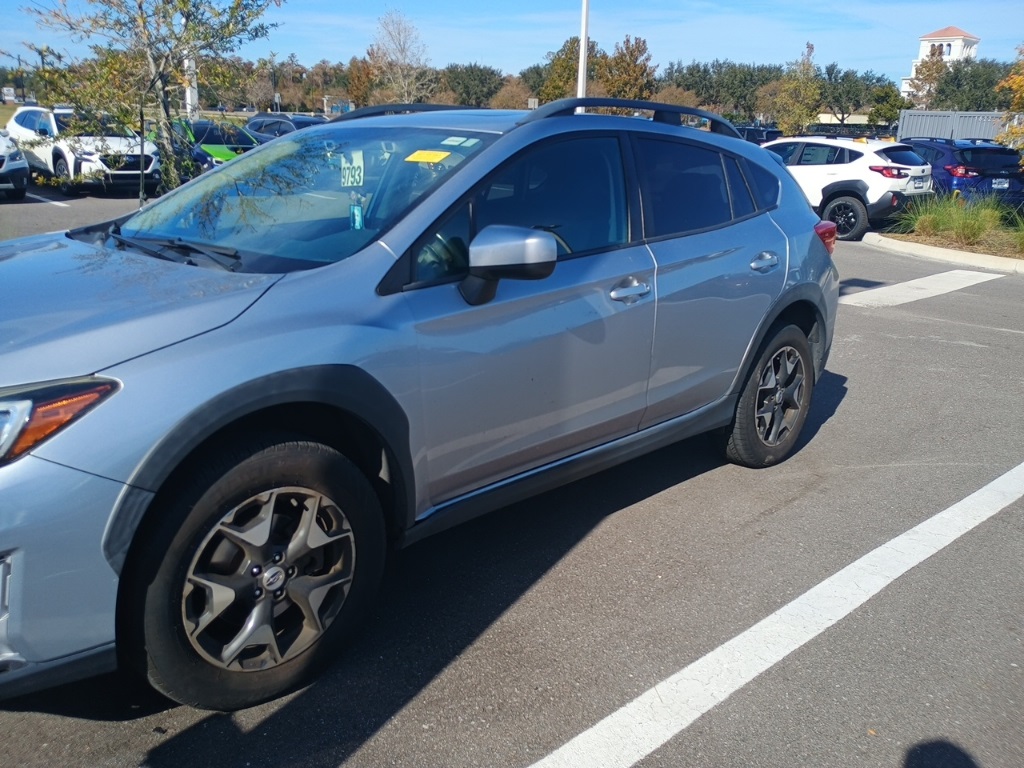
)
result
[(950, 125)]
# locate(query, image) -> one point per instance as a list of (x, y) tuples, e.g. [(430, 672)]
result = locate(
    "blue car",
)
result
[(973, 168)]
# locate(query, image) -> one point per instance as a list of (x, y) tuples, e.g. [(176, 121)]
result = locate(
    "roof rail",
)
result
[(663, 113), (940, 139), (393, 109)]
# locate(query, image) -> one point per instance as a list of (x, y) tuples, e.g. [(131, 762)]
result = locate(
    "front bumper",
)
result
[(14, 177), (58, 593), (91, 174)]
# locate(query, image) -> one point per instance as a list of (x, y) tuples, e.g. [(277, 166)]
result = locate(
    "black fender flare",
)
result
[(807, 293), (849, 187), (342, 387)]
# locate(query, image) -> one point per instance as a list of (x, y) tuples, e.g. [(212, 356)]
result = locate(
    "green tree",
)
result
[(563, 66), (799, 96), (628, 73), (972, 85), (533, 77), (145, 44), (843, 92), (886, 105), (473, 84)]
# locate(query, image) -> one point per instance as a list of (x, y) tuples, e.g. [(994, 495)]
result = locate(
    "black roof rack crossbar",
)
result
[(663, 113), (394, 109)]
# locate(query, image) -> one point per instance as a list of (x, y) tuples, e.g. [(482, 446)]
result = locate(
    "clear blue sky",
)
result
[(510, 35)]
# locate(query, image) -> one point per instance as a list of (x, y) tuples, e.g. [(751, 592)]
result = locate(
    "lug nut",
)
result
[(278, 594), (278, 557), (256, 570), (258, 593)]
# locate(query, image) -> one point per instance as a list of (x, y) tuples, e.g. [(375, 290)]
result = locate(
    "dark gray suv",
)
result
[(363, 333)]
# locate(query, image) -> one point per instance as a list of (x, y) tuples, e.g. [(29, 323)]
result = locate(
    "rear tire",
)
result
[(248, 580), (774, 403), (849, 215)]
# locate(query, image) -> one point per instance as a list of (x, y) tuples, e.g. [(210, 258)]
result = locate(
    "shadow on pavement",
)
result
[(438, 597)]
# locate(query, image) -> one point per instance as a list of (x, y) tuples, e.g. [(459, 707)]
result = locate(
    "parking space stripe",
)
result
[(639, 728), (45, 200), (921, 288)]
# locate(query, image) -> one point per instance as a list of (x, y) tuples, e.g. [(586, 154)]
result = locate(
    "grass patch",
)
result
[(984, 225)]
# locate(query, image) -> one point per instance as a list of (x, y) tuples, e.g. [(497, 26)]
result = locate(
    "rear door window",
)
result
[(684, 187)]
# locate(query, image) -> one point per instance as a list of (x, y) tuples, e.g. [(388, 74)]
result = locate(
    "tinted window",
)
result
[(764, 185), (784, 150), (28, 119), (683, 187), (574, 189), (902, 156), (739, 192), (225, 134)]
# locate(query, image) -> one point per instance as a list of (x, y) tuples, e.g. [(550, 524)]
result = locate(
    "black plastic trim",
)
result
[(344, 387), (573, 468), (39, 675), (394, 109)]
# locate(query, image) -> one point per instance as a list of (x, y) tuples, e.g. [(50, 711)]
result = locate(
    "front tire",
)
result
[(62, 172), (849, 215), (774, 403), (249, 579)]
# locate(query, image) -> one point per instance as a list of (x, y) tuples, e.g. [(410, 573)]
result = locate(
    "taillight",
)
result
[(826, 230), (890, 171), (962, 172)]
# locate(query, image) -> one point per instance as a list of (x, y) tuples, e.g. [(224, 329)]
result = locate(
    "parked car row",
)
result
[(83, 151), (973, 168)]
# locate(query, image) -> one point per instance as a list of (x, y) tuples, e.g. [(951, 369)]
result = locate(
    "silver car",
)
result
[(219, 414)]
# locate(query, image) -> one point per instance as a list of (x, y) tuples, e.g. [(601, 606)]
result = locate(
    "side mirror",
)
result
[(503, 252), (43, 131)]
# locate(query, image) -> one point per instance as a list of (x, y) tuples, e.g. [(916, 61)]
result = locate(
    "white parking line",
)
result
[(44, 200), (922, 288), (627, 736)]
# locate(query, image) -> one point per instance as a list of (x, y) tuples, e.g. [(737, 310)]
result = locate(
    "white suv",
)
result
[(854, 182), (82, 152)]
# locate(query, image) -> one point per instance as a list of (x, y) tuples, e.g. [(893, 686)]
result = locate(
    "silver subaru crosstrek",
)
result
[(219, 413)]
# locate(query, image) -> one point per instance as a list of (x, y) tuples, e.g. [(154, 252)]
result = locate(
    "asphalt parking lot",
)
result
[(585, 616)]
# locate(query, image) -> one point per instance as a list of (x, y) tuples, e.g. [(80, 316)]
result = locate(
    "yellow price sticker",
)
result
[(427, 156)]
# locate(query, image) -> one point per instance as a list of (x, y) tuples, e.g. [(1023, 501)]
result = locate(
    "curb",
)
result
[(995, 263)]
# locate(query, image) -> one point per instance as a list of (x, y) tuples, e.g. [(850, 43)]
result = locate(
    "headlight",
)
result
[(15, 156), (30, 415)]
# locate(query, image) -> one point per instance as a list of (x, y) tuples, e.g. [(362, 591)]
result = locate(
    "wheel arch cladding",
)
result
[(847, 188), (341, 406)]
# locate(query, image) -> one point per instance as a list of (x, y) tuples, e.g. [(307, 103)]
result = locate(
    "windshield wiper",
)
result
[(221, 255), (127, 241)]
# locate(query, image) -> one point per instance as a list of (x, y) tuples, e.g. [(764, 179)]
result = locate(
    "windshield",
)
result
[(224, 133), (310, 197), (85, 125)]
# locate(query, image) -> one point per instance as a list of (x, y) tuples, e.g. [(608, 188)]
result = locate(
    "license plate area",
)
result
[(1000, 183)]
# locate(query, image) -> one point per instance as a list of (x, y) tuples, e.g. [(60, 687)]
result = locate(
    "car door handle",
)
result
[(765, 262), (629, 290)]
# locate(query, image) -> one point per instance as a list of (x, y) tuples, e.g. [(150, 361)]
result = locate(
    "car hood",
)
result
[(69, 308)]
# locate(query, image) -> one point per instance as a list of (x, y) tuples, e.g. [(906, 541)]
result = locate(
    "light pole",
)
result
[(581, 77)]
